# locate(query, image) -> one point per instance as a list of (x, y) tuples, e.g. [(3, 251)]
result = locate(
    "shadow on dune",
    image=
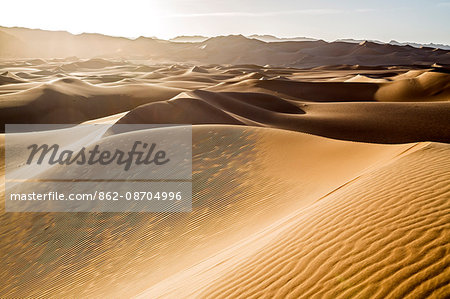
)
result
[(71, 100), (361, 121)]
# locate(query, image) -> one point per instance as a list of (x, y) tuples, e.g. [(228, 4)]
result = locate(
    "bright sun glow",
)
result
[(326, 19), (108, 17)]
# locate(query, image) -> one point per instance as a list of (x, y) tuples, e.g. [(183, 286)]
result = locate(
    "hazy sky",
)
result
[(402, 20)]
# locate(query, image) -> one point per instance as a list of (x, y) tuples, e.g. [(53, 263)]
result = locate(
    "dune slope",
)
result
[(374, 237), (244, 183), (362, 121)]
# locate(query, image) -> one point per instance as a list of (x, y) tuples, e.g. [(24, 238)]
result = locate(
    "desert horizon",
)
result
[(20, 42), (217, 165)]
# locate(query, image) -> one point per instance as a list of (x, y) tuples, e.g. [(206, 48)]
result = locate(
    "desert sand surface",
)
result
[(312, 179), (350, 104)]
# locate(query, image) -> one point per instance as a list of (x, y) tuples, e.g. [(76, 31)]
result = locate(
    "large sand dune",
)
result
[(327, 182), (373, 237), (312, 217)]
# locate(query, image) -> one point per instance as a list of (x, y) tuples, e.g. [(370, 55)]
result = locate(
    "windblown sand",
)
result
[(330, 182)]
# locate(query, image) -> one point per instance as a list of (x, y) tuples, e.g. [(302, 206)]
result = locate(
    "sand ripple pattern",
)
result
[(377, 237)]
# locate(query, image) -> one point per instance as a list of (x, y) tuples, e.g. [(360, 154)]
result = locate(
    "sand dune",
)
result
[(368, 122), (430, 86), (373, 237), (71, 100), (264, 188), (8, 78), (325, 182), (427, 86)]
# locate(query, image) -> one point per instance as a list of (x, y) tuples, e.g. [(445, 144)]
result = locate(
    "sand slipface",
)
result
[(325, 181)]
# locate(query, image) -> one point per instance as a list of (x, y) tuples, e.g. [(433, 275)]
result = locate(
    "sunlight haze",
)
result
[(418, 21)]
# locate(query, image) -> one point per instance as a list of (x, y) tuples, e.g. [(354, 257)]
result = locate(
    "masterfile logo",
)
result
[(96, 156), (102, 168)]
